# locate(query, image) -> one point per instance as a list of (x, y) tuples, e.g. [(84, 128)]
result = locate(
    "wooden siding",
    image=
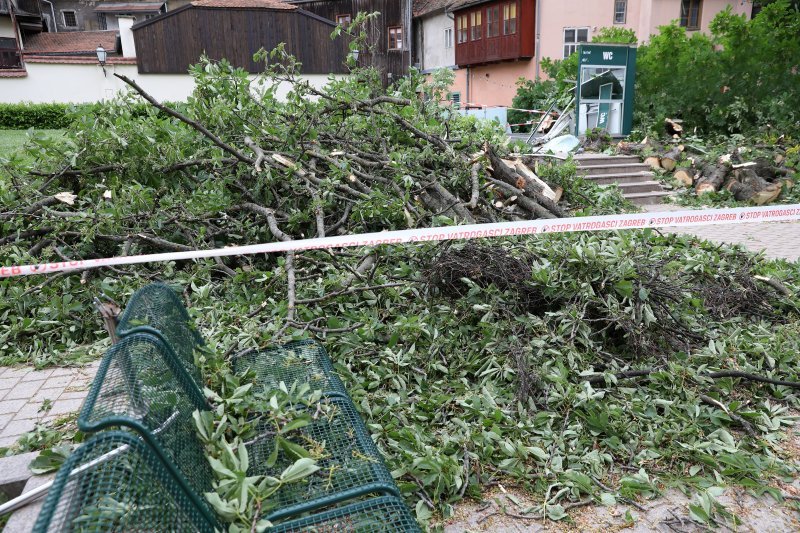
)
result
[(392, 13), (519, 45), (169, 45)]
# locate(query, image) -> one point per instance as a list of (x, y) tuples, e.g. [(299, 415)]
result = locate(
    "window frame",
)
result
[(448, 38), (624, 12), (397, 33), (493, 25), (573, 45), (476, 25), (64, 18), (455, 99), (686, 22), (462, 32), (507, 19), (341, 17)]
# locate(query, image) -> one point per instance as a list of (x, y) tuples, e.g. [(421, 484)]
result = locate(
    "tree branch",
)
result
[(186, 120)]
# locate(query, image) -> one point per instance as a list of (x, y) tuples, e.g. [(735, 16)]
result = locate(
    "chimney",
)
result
[(126, 35)]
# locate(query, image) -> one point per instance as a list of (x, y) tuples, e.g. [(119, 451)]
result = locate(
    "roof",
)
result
[(78, 60), (426, 7), (129, 7), (13, 73), (245, 4), (70, 42)]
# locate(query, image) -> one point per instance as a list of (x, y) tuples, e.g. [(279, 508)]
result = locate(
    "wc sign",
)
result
[(608, 56)]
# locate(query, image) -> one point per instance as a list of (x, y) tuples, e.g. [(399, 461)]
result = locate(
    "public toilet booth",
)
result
[(604, 92)]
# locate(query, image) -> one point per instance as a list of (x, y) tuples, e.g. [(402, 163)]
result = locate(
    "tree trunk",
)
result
[(670, 159), (685, 176), (711, 179)]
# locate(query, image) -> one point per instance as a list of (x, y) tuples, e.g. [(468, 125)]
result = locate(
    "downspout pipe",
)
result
[(52, 15), (538, 36)]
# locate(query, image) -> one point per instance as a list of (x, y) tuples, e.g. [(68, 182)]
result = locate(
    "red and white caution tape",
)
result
[(703, 217)]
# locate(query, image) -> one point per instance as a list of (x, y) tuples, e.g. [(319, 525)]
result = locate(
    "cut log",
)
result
[(529, 176), (685, 176), (673, 126), (711, 179), (653, 161), (670, 159), (748, 185), (768, 195), (559, 192), (539, 205)]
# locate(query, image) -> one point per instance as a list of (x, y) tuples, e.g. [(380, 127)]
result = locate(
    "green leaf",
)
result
[(300, 469)]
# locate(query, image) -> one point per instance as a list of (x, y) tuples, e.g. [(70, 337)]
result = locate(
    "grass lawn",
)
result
[(12, 140)]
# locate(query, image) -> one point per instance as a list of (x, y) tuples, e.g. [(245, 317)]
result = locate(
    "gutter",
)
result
[(538, 40)]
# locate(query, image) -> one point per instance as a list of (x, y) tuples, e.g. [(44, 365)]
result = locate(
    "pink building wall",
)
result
[(495, 84)]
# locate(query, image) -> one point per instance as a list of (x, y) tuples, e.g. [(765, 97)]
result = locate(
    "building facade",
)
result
[(497, 42)]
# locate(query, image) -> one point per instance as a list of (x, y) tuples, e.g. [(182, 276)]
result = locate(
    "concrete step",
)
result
[(641, 186), (603, 159), (632, 177), (624, 168), (646, 198)]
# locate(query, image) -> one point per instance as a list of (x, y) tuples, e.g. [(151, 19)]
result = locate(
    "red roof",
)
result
[(423, 7), (244, 4), (78, 60), (13, 73), (70, 42)]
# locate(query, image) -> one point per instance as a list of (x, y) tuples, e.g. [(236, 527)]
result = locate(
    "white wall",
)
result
[(69, 83), (434, 54), (6, 27)]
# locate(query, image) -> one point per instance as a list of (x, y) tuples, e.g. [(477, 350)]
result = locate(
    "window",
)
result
[(493, 21), (573, 36), (463, 31), (510, 18), (102, 23), (456, 99), (448, 38), (396, 38), (690, 14), (476, 26), (620, 11), (343, 19), (70, 20)]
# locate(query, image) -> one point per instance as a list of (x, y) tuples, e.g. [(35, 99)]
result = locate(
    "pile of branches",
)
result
[(641, 309)]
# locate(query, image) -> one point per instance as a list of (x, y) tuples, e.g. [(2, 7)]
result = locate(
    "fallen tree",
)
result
[(474, 364)]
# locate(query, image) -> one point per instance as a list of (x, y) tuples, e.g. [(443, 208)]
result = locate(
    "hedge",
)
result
[(39, 116), (55, 116)]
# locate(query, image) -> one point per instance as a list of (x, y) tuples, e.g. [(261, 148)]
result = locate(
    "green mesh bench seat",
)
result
[(115, 482), (304, 361), (140, 387), (157, 309), (376, 515)]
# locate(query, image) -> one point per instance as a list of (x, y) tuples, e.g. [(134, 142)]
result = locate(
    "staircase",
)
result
[(632, 177)]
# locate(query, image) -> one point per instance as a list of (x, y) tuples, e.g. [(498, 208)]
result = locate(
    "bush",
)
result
[(741, 77), (57, 116), (39, 116)]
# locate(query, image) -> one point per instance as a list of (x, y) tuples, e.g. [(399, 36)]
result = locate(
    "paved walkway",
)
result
[(29, 396), (778, 240)]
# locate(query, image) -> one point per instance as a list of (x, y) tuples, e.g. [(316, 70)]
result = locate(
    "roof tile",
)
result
[(246, 4), (70, 42)]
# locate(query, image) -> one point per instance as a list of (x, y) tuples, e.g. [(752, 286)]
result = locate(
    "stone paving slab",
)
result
[(778, 240), (29, 396)]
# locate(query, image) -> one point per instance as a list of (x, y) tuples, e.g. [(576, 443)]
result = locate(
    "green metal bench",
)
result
[(115, 482), (157, 309), (140, 386)]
